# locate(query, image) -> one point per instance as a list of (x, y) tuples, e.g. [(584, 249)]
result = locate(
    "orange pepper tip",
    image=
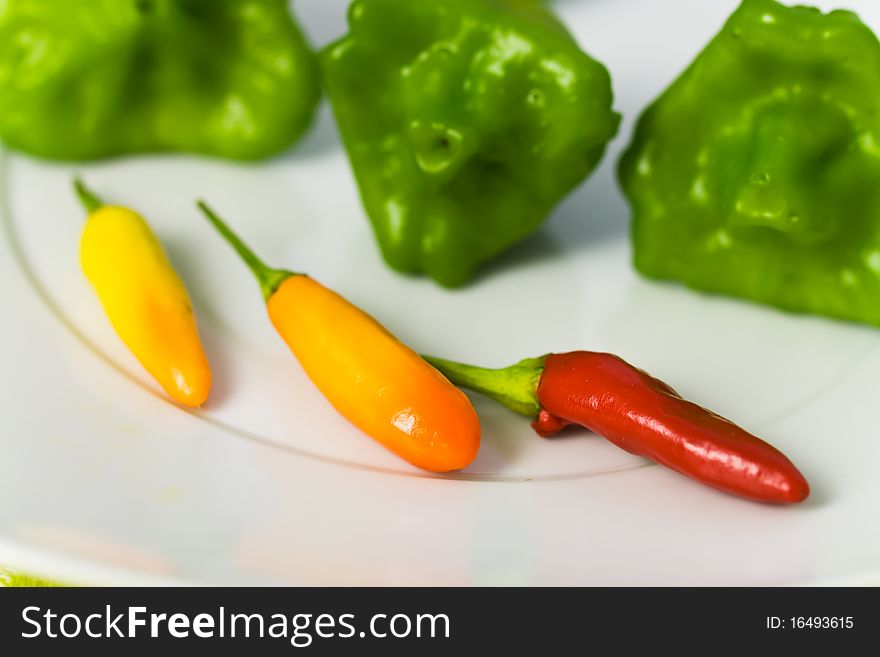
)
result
[(457, 458), (190, 391), (445, 467), (465, 459), (190, 400)]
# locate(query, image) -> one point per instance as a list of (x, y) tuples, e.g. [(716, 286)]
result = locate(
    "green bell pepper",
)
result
[(97, 78), (466, 122), (757, 173)]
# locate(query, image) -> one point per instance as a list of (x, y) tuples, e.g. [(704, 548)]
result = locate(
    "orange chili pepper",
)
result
[(379, 384), (144, 298)]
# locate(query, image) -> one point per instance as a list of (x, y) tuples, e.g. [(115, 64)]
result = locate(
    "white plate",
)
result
[(103, 481)]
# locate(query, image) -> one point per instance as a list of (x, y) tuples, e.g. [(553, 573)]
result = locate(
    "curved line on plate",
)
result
[(46, 298), (824, 390)]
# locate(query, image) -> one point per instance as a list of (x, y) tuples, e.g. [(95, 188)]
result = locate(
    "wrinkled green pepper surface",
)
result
[(757, 173), (466, 122), (85, 79)]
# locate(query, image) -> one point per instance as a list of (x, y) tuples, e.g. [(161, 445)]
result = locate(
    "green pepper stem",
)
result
[(268, 278), (514, 387), (87, 197)]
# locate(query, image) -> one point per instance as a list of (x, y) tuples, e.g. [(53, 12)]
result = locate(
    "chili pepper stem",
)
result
[(514, 387), (268, 278), (87, 197)]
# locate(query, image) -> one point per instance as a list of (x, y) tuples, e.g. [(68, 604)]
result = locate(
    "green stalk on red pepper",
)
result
[(466, 122), (639, 414), (757, 172)]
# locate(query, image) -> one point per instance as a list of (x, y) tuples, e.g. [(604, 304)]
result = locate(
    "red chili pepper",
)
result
[(640, 414)]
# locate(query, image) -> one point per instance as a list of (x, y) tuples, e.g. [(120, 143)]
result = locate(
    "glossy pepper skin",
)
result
[(98, 78), (641, 415), (757, 173), (466, 122), (144, 299), (376, 382)]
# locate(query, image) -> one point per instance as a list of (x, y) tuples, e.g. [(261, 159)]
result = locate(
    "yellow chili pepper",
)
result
[(144, 298), (379, 384)]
